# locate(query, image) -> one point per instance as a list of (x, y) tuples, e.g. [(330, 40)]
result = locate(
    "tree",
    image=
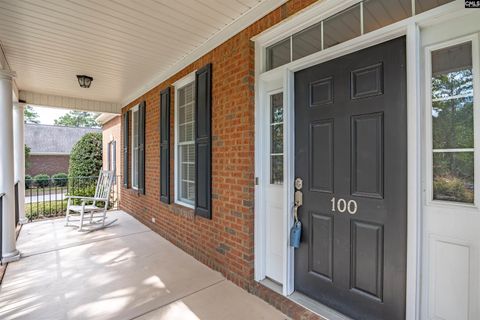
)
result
[(78, 119), (27, 157), (86, 156), (30, 115)]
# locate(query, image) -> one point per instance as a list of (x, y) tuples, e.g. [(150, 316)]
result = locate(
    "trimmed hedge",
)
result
[(52, 208), (42, 180), (60, 179)]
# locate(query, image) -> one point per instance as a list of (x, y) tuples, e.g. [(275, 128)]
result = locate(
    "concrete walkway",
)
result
[(125, 271)]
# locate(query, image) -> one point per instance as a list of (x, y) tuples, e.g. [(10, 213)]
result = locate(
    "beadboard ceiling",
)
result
[(127, 46)]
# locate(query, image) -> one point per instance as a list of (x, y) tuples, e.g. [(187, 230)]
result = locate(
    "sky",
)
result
[(48, 115)]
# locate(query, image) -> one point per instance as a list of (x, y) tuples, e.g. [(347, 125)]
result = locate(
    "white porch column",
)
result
[(7, 181), (19, 157)]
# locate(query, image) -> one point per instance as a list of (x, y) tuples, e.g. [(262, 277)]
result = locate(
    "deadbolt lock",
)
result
[(298, 183)]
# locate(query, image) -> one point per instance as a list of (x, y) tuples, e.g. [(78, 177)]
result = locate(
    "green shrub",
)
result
[(38, 210), (452, 188), (60, 179), (86, 156), (28, 181), (42, 180)]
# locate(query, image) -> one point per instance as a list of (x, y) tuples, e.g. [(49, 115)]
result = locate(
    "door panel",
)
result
[(367, 155), (321, 163), (321, 245), (350, 151)]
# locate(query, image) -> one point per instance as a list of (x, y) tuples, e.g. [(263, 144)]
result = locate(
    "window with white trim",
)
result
[(185, 144), (134, 149), (453, 123)]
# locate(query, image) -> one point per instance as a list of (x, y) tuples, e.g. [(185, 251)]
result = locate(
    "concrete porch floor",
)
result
[(125, 271)]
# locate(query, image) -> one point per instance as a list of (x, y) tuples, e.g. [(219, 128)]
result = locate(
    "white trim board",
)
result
[(48, 100), (106, 117)]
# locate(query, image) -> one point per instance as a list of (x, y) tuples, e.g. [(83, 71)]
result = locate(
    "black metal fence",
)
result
[(17, 212), (47, 198)]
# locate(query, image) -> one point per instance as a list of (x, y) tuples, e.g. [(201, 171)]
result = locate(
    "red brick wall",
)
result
[(49, 164), (111, 131), (225, 243)]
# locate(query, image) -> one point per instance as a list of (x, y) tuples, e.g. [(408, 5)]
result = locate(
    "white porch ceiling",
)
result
[(127, 46)]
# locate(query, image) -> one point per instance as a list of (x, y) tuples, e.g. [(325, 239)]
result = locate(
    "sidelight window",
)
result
[(276, 138), (452, 99)]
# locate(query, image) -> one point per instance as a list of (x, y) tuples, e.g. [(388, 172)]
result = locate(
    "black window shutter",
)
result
[(203, 142), (141, 147), (126, 143), (165, 145)]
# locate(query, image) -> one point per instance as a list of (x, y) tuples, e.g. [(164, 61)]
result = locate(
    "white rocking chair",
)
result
[(92, 214)]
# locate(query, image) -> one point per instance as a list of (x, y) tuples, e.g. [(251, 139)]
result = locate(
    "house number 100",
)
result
[(341, 205)]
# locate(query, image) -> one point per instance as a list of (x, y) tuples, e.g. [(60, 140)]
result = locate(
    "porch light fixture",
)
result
[(84, 81)]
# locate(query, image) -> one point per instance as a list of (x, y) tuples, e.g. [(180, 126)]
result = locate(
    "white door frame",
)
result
[(409, 27)]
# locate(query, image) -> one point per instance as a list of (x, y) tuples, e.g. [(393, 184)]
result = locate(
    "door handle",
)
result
[(296, 230), (298, 197)]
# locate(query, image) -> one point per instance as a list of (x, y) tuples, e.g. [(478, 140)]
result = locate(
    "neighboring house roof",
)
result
[(48, 139)]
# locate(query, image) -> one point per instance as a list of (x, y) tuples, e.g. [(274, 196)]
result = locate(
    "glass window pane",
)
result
[(276, 101), (380, 13), (186, 132), (307, 41), (342, 27), (453, 176), (276, 168), (424, 5), (277, 138), (452, 122), (278, 54), (452, 97), (181, 96)]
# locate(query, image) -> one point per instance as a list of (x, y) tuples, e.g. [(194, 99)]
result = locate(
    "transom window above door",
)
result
[(452, 133), (361, 18)]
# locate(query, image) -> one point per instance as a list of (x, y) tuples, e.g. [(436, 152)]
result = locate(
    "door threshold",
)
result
[(308, 303)]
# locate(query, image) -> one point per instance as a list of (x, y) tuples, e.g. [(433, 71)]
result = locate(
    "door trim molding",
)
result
[(409, 27)]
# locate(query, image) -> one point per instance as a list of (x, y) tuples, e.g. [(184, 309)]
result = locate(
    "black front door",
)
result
[(350, 151)]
